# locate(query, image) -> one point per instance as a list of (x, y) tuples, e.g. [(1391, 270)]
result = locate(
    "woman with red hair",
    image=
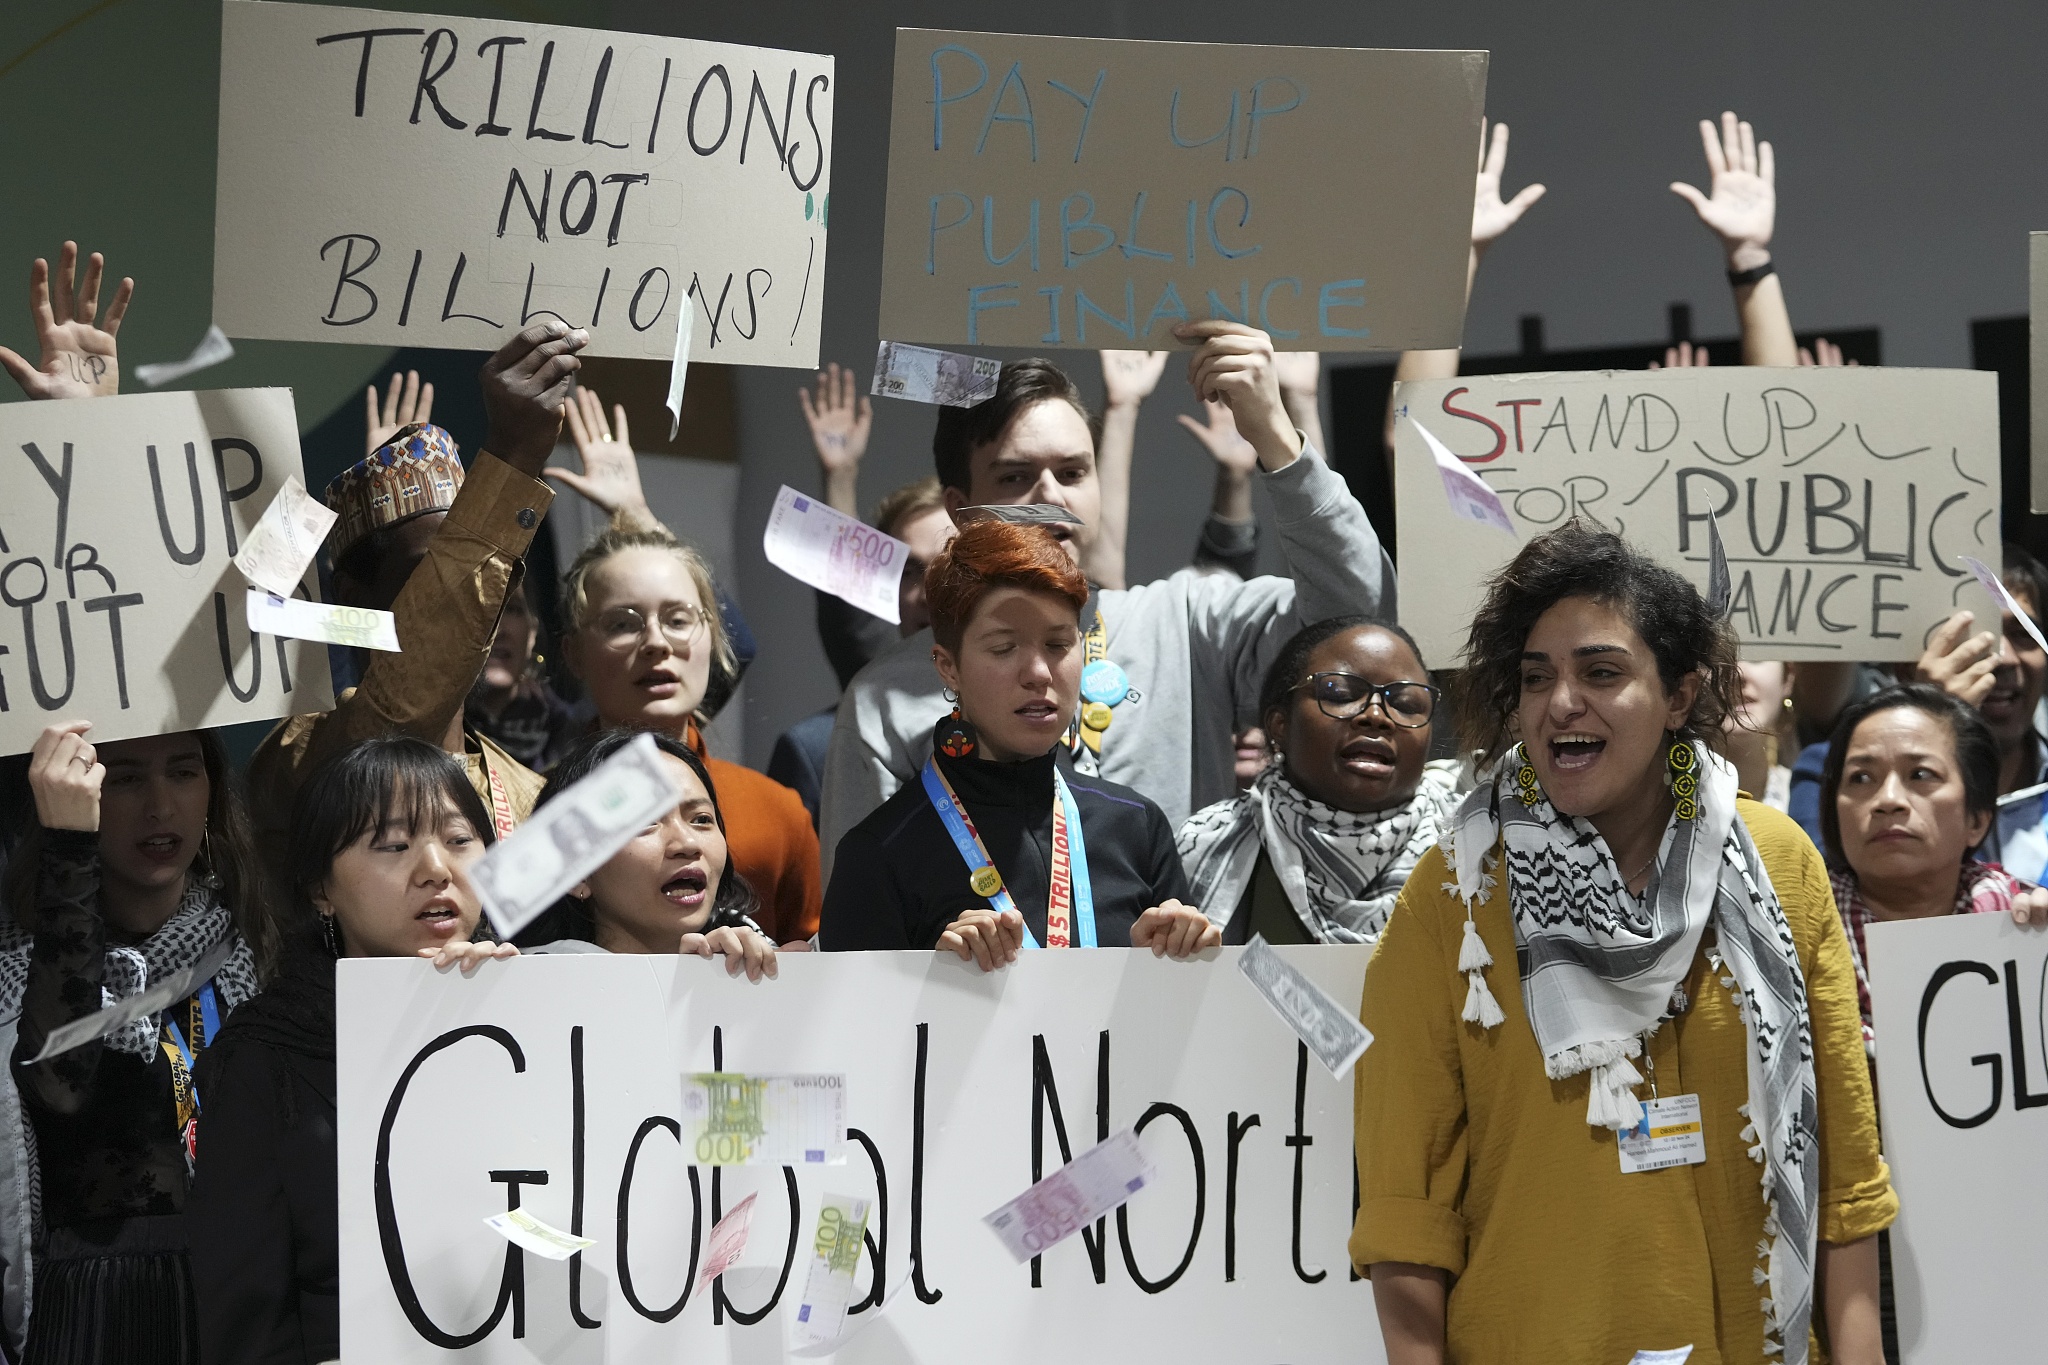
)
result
[(1002, 847)]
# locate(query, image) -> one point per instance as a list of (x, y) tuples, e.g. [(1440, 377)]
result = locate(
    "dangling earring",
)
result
[(330, 933), (1685, 782), (206, 852), (956, 737)]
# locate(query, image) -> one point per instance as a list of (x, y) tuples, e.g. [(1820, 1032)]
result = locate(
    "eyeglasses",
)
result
[(1343, 696), (622, 628)]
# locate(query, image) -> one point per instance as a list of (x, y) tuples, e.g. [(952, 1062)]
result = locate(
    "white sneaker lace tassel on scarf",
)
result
[(1473, 960)]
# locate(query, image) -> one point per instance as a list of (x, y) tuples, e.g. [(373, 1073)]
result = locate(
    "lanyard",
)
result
[(202, 1023), (501, 806), (1070, 902)]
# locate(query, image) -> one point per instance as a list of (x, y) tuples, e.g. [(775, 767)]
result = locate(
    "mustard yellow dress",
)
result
[(1472, 1160)]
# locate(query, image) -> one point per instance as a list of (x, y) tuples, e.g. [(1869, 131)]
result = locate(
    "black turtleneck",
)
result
[(898, 881)]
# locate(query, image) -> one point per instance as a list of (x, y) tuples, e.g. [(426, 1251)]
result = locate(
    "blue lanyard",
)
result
[(972, 852), (209, 1014)]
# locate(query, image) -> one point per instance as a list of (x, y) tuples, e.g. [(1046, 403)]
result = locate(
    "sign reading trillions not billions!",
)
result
[(119, 599), (1844, 496), (1088, 192), (555, 1083), (419, 180)]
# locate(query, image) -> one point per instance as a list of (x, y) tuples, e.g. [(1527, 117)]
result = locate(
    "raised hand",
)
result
[(1741, 207), (1824, 355), (610, 476), (1684, 355), (1128, 377), (1959, 663), (1233, 364), (1490, 216), (1219, 436), (402, 407), (525, 385), (78, 357), (65, 775)]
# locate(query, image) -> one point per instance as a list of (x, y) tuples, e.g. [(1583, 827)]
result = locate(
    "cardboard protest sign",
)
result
[(555, 1084), (1962, 1077), (424, 180), (1089, 192), (1844, 496), (119, 601)]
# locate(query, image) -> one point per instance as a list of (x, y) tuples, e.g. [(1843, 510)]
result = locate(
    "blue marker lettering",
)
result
[(1083, 306), (1329, 297), (995, 115), (976, 307), (1087, 106), (1069, 225), (1266, 318), (940, 99), (988, 235), (1052, 294), (1219, 309), (1169, 306), (1227, 135), (1215, 242), (931, 255), (1259, 109), (1130, 245)]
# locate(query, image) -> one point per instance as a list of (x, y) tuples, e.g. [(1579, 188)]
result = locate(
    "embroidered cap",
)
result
[(417, 470)]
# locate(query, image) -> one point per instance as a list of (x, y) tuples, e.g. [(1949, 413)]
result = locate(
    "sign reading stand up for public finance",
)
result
[(1960, 1008), (1092, 192), (1844, 497), (406, 179), (556, 1084), (119, 600)]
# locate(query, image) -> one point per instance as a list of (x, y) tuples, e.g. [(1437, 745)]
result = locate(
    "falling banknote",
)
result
[(1078, 1193), (835, 1252), (1331, 1031), (297, 619), (731, 1119), (571, 836), (528, 1233), (923, 375), (285, 539)]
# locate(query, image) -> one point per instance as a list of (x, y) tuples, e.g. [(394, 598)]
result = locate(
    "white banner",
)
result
[(1962, 1069), (556, 1083), (119, 599)]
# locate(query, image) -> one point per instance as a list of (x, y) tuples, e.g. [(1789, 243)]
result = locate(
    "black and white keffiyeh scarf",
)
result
[(1341, 871), (199, 923), (1598, 967)]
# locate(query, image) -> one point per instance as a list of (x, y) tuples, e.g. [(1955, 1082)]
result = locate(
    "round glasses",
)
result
[(622, 628), (1343, 696)]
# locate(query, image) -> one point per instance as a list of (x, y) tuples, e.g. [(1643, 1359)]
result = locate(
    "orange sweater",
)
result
[(772, 845)]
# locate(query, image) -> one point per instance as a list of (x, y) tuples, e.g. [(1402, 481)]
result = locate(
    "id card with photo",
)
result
[(1669, 1135)]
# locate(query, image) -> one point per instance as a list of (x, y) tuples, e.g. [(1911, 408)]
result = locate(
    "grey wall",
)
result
[(1907, 139)]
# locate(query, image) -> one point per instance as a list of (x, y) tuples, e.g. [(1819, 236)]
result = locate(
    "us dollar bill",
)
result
[(732, 1119), (924, 375), (1331, 1030), (573, 835)]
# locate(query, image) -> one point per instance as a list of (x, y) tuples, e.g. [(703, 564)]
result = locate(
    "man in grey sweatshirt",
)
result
[(1192, 648)]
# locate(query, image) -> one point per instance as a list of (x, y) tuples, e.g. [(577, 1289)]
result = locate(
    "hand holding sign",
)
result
[(525, 384), (79, 359), (65, 774)]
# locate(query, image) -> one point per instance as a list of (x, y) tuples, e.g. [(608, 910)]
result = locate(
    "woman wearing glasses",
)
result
[(1321, 844), (645, 639), (1002, 847)]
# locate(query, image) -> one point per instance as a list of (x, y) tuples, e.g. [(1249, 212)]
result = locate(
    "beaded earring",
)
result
[(1685, 782), (956, 737)]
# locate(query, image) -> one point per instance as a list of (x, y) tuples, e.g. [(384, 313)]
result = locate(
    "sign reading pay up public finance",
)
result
[(425, 180), (1844, 497), (1090, 193)]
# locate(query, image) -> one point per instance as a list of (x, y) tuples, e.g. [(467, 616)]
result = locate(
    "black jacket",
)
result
[(261, 1220), (898, 881)]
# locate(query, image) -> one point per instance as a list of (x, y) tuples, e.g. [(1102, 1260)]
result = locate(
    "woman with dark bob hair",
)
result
[(671, 889), (383, 840), (1003, 846), (1322, 842), (1909, 788), (1525, 1192)]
